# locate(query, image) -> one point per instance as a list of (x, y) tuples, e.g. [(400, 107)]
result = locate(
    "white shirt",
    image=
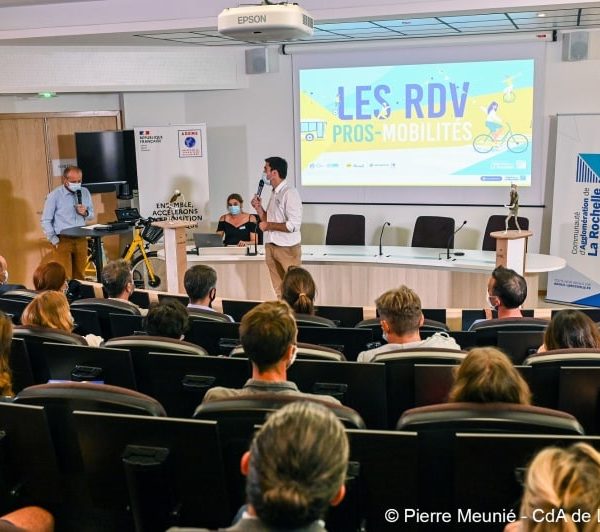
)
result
[(439, 339), (285, 206)]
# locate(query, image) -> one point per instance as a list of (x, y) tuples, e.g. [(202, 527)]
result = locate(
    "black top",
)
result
[(234, 235)]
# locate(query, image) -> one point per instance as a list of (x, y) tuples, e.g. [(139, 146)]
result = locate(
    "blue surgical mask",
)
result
[(74, 187), (234, 209)]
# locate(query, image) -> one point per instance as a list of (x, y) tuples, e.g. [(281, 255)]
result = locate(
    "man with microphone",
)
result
[(280, 222), (68, 205)]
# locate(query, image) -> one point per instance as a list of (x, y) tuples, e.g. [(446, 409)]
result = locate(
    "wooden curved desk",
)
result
[(357, 275)]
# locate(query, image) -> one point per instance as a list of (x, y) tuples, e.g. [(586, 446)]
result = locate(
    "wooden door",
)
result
[(24, 186), (28, 145)]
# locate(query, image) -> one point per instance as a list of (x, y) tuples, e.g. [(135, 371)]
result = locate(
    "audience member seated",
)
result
[(268, 334), (561, 479), (400, 316), (487, 375), (50, 276), (506, 292), (6, 333), (238, 228), (295, 469), (200, 283), (51, 310), (4, 286), (571, 329), (117, 280), (167, 318), (28, 519), (299, 290)]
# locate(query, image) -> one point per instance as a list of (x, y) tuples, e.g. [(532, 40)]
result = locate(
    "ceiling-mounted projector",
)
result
[(265, 22)]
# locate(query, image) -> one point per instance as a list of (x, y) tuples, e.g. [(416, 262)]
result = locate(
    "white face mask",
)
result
[(384, 335), (489, 300), (74, 187), (265, 177)]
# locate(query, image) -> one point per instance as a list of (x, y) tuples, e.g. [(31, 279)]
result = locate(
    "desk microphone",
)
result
[(458, 253), (381, 236)]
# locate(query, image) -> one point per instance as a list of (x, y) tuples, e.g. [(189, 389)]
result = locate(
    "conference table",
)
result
[(357, 275)]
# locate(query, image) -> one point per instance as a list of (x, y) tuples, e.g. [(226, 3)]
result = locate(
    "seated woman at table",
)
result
[(238, 228), (571, 329), (51, 310)]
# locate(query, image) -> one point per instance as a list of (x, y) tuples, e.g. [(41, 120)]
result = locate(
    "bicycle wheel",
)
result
[(517, 143), (142, 279), (483, 143)]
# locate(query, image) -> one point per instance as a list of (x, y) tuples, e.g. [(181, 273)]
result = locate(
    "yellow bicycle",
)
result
[(147, 268)]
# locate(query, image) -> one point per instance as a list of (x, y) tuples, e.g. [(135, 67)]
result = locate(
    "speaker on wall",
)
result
[(262, 60), (575, 46)]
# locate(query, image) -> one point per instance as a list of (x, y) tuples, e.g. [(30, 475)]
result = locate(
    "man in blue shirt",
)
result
[(68, 205)]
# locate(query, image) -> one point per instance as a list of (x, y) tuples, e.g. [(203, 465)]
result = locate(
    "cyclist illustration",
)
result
[(508, 94), (385, 111), (492, 120)]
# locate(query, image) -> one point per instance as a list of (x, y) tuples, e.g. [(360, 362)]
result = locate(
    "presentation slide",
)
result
[(466, 124)]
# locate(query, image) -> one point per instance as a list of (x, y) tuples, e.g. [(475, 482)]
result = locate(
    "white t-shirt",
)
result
[(438, 340)]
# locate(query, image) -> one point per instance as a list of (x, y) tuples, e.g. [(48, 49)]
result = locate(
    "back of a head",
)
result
[(168, 318), (115, 276), (509, 287), (266, 332), (298, 462), (6, 333), (49, 276), (279, 164), (198, 281), (562, 479), (571, 329), (487, 375), (299, 290), (401, 308), (49, 309)]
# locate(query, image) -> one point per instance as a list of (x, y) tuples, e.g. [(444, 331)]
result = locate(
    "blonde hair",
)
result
[(401, 308), (6, 332), (49, 309), (566, 479), (487, 375)]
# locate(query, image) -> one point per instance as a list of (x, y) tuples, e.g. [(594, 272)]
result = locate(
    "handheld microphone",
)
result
[(381, 236), (458, 253), (261, 185), (78, 194)]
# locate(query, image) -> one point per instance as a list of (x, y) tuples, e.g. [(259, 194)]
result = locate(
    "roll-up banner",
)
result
[(172, 170), (576, 211)]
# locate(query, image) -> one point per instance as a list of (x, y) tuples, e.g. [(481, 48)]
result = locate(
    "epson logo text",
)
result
[(252, 19)]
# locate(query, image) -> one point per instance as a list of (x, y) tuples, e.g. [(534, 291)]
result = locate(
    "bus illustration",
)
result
[(312, 129)]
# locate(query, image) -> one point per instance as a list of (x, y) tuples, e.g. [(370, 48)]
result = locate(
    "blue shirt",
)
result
[(60, 214)]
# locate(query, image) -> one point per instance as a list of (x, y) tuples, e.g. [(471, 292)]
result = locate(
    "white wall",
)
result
[(245, 126)]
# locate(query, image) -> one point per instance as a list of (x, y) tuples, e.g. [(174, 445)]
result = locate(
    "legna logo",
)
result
[(588, 168)]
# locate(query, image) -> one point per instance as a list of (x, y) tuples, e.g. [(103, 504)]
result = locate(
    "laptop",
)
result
[(208, 240), (127, 214)]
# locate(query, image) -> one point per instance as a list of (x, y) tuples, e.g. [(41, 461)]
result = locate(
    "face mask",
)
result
[(489, 300), (384, 336), (234, 209), (265, 177), (74, 187), (293, 357)]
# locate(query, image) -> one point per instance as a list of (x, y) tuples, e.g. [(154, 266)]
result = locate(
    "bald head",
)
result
[(3, 270)]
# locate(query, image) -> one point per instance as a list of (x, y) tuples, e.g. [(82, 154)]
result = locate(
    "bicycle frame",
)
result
[(138, 244)]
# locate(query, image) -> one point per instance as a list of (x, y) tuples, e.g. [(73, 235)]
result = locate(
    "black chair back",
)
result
[(357, 386), (237, 309), (350, 341), (433, 232), (13, 307), (345, 230), (342, 316), (125, 325), (105, 307), (20, 365), (216, 337), (86, 322)]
